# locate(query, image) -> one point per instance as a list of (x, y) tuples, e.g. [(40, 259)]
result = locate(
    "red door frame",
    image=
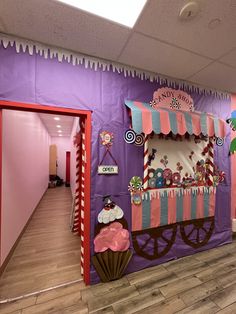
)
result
[(67, 169), (11, 105)]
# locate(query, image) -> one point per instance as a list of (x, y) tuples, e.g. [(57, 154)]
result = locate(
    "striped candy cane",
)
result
[(78, 224), (145, 174), (210, 161)]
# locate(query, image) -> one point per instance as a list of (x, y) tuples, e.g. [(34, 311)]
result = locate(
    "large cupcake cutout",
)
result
[(111, 243)]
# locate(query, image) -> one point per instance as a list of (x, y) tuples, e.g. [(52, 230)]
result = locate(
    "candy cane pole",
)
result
[(145, 174), (211, 161)]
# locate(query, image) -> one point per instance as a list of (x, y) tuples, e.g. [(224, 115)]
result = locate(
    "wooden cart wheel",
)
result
[(154, 243), (197, 233)]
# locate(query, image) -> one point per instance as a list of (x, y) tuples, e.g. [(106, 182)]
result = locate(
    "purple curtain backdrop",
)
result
[(33, 79)]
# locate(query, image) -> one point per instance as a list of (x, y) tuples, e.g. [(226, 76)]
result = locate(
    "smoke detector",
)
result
[(189, 11)]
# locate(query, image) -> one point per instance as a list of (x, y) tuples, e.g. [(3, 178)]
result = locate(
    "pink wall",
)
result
[(63, 145), (233, 166), (25, 172), (73, 156)]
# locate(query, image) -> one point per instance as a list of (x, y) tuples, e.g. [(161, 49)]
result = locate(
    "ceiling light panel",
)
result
[(125, 12)]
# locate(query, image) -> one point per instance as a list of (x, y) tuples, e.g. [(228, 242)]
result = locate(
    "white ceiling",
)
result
[(66, 123), (159, 42)]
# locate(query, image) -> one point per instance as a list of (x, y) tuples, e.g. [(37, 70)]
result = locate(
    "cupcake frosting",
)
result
[(113, 237)]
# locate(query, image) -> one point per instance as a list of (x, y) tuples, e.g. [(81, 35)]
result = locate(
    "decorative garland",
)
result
[(46, 51)]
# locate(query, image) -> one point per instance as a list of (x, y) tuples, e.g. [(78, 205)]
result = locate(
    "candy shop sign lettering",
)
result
[(107, 169), (172, 99)]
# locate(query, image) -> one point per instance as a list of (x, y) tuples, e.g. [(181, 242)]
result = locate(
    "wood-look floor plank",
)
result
[(146, 274), (204, 306), (178, 286), (17, 305), (231, 309), (211, 271), (104, 288), (57, 305), (138, 302), (167, 306), (56, 293), (48, 253), (106, 310), (156, 282), (99, 302), (198, 293), (225, 297)]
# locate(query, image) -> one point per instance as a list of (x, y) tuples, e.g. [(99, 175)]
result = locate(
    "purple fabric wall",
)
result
[(34, 79)]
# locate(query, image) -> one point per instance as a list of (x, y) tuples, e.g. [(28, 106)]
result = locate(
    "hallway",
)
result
[(48, 254)]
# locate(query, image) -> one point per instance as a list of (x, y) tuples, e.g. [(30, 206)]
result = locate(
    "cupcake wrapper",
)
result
[(111, 265)]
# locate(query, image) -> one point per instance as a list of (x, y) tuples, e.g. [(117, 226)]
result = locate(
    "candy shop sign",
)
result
[(107, 169), (172, 99)]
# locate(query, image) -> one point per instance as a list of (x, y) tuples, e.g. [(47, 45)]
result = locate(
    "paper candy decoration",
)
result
[(110, 212), (233, 146), (135, 184), (113, 237), (107, 138)]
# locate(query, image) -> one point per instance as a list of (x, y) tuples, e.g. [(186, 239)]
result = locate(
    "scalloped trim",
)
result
[(50, 52)]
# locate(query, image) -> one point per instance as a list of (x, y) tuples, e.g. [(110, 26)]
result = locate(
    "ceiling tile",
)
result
[(160, 20), (66, 123), (146, 53), (229, 58), (56, 24), (217, 76)]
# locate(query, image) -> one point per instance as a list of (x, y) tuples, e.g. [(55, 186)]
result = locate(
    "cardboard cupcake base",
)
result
[(111, 265)]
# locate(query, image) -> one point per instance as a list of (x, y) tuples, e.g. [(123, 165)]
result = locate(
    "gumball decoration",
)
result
[(176, 177), (151, 173), (159, 182), (152, 183), (167, 173), (158, 173), (168, 182)]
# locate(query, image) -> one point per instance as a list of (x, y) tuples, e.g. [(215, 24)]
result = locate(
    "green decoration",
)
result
[(232, 146), (136, 183)]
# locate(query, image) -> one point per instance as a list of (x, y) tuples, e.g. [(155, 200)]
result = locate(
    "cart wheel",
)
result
[(197, 233), (154, 243)]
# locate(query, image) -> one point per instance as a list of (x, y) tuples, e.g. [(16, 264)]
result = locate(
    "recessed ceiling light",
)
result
[(58, 126), (59, 134), (56, 118), (125, 12), (59, 131)]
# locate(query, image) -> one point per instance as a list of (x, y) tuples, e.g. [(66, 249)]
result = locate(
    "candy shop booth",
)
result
[(176, 195)]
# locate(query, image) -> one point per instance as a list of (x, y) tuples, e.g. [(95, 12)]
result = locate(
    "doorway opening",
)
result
[(82, 145)]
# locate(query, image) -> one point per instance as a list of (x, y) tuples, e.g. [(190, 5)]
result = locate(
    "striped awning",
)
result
[(146, 119)]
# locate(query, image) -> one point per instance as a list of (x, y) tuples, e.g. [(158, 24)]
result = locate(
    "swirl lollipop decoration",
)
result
[(135, 184), (130, 136), (219, 141), (139, 140)]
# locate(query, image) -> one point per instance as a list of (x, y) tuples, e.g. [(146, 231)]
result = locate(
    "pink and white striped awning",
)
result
[(146, 119)]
